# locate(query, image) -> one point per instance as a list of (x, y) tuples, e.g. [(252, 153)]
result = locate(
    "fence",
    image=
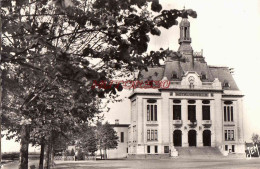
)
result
[(64, 158)]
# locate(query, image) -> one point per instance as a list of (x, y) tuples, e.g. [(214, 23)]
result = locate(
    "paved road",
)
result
[(155, 164), (164, 164)]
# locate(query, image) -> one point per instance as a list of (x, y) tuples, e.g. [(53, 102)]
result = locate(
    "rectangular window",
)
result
[(155, 112), (155, 135), (148, 112), (225, 114), (228, 113), (233, 148), (122, 137), (166, 149), (232, 135), (229, 135), (156, 149), (191, 112), (152, 135), (148, 149), (232, 113), (226, 147), (176, 112), (226, 135), (152, 113), (148, 135), (205, 112)]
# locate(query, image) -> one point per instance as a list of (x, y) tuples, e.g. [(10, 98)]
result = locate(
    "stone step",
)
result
[(199, 152), (148, 156), (237, 155)]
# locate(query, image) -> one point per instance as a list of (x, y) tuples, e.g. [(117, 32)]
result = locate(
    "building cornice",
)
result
[(225, 95), (143, 93), (120, 125), (193, 90)]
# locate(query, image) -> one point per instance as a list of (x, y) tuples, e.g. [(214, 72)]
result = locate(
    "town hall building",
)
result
[(202, 107)]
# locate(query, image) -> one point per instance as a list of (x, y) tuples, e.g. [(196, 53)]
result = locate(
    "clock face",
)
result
[(191, 79)]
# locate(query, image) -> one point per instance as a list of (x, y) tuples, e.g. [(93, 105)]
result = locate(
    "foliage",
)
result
[(107, 137), (80, 155), (87, 140), (10, 156), (53, 50), (72, 152)]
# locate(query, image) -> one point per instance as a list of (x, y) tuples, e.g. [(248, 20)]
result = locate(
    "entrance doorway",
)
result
[(192, 138), (177, 140), (206, 138)]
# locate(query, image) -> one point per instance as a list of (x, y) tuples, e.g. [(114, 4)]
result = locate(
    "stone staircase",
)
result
[(237, 155), (199, 152), (149, 156)]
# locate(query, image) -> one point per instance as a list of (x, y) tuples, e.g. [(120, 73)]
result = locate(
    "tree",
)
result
[(107, 137), (86, 139), (80, 155), (53, 50), (255, 138), (72, 152)]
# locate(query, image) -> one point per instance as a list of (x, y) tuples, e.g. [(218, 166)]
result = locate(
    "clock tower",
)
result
[(185, 40)]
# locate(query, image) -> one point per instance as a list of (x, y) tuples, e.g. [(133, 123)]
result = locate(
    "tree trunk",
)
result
[(49, 160), (25, 137), (47, 157), (42, 155), (52, 155), (100, 153), (0, 91), (105, 154)]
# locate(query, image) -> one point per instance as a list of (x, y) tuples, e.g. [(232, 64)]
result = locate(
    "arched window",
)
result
[(226, 84), (174, 75), (185, 32), (203, 76)]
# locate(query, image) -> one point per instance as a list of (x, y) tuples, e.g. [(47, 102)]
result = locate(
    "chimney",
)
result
[(117, 122)]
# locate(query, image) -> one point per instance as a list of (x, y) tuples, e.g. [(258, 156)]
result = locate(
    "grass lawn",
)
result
[(163, 164)]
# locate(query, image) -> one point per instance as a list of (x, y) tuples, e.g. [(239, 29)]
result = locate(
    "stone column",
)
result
[(184, 117), (218, 121), (199, 123), (212, 128)]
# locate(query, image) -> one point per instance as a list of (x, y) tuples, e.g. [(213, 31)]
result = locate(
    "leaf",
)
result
[(192, 13), (155, 31), (156, 7)]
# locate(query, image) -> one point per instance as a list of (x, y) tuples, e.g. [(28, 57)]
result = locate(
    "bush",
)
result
[(80, 155), (11, 156), (72, 153)]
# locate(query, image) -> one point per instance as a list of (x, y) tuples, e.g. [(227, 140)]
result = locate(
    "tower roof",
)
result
[(185, 22)]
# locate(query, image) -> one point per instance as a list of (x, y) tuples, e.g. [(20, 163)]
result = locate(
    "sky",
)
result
[(228, 31)]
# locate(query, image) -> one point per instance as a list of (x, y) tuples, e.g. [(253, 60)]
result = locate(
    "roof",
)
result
[(224, 75), (174, 69), (120, 125), (155, 73)]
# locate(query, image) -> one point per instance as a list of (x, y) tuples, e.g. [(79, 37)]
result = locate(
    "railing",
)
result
[(64, 158), (152, 122), (177, 122), (206, 122), (229, 123), (192, 123)]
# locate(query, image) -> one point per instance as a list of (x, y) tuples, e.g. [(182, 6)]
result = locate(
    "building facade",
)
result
[(122, 148), (201, 107)]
